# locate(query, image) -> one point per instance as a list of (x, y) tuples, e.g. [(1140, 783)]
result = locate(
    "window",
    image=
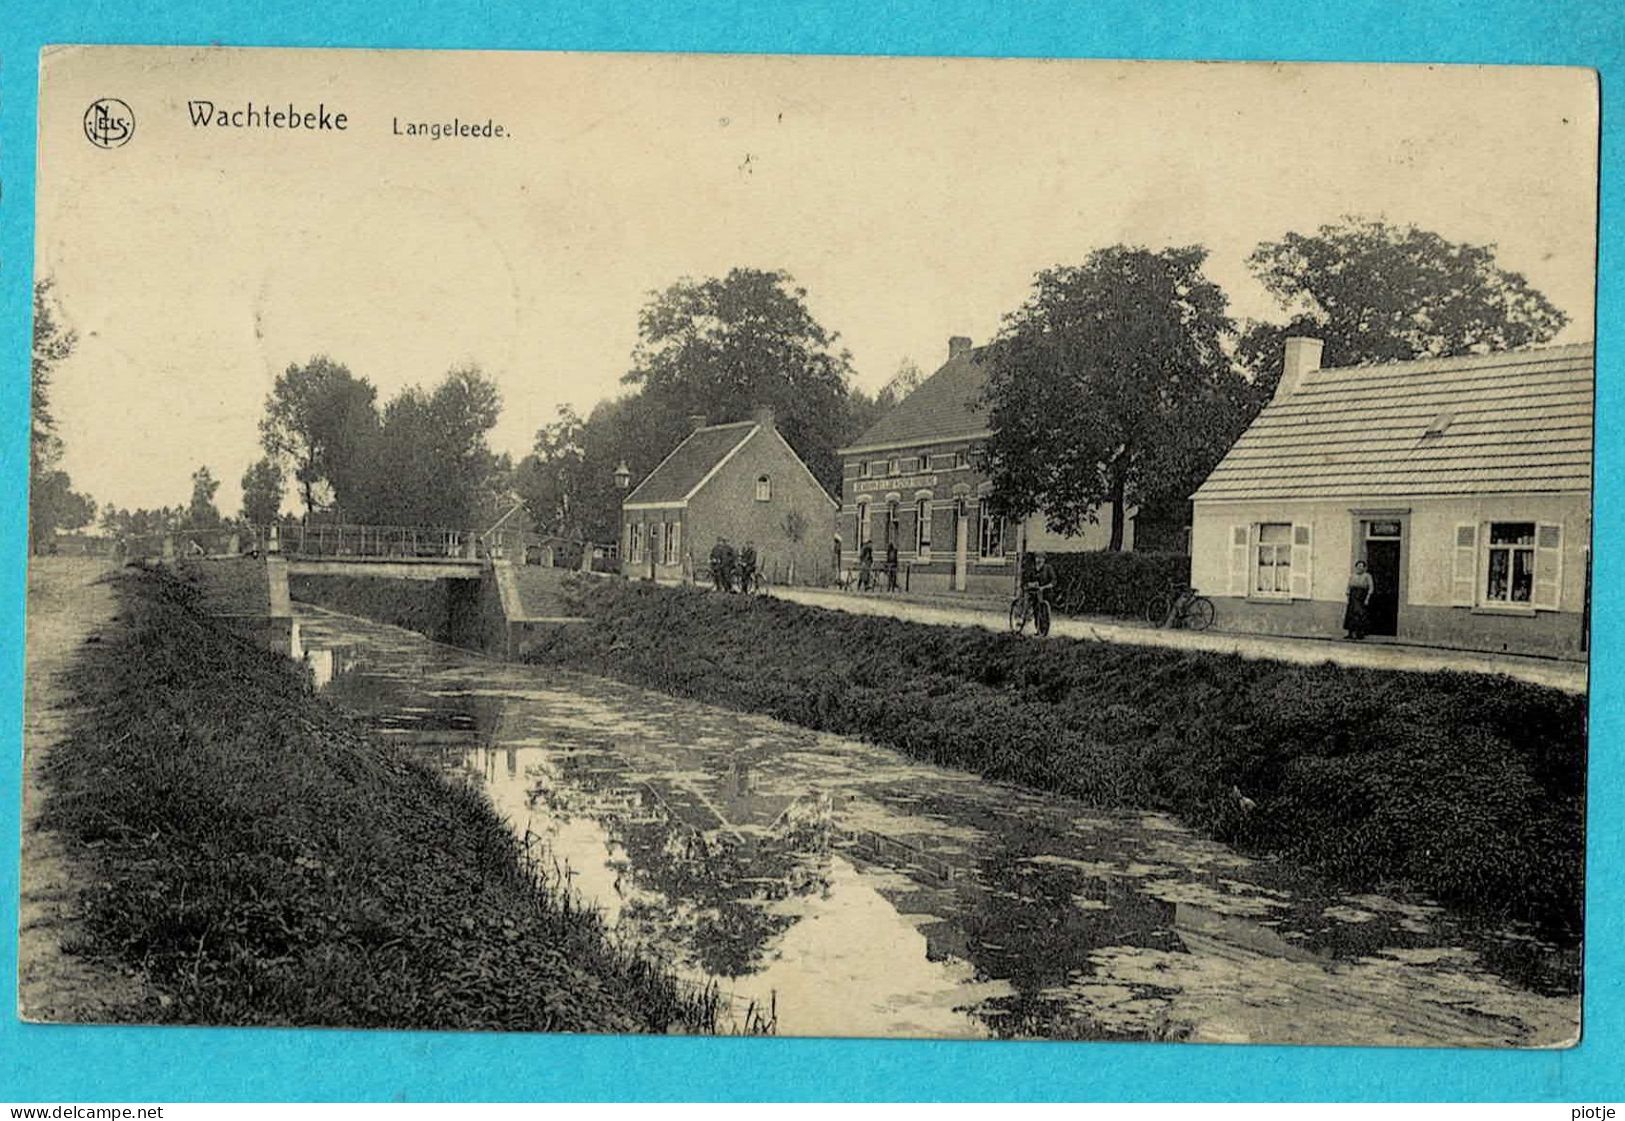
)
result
[(1272, 566), (1509, 563), (863, 524), (922, 527), (634, 543), (895, 467), (863, 470), (764, 489), (992, 536), (961, 460), (671, 550), (893, 525), (919, 465)]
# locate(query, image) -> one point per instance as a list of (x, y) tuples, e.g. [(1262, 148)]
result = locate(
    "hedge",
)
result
[(1114, 583)]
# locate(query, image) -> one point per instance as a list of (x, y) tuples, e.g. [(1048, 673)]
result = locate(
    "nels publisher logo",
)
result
[(109, 123)]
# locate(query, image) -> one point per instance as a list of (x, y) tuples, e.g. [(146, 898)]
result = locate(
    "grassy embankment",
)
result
[(261, 860), (1465, 787)]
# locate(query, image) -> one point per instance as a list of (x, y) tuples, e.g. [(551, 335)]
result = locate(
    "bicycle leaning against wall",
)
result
[(1180, 606)]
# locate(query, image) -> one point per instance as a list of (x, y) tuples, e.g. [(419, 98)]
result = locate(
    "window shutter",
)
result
[(1240, 554), (1303, 540), (675, 530), (1464, 566), (1549, 567)]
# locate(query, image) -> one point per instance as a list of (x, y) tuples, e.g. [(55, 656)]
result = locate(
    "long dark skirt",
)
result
[(1357, 615)]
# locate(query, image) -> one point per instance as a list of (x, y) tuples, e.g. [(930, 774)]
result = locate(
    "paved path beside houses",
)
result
[(1558, 674)]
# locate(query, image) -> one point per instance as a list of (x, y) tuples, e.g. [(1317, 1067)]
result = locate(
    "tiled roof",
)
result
[(1512, 422), (945, 406), (690, 462)]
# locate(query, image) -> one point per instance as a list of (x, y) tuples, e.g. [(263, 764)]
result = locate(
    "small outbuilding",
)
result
[(743, 482), (1463, 484)]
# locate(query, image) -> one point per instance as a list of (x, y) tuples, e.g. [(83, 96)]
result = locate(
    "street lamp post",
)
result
[(623, 480)]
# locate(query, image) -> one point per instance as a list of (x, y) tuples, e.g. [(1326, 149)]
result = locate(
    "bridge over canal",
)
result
[(500, 584)]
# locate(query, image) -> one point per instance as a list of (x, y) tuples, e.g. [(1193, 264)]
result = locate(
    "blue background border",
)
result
[(80, 1064)]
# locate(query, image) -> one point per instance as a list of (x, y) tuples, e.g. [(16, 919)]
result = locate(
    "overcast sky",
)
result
[(913, 199)]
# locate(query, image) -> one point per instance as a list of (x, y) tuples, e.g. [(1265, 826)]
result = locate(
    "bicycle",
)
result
[(1022, 610), (1180, 607)]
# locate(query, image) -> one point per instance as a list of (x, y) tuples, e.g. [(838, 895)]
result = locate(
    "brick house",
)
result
[(912, 479), (1463, 483), (741, 481)]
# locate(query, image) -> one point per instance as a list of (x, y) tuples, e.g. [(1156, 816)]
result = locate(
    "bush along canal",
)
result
[(854, 888), (256, 856)]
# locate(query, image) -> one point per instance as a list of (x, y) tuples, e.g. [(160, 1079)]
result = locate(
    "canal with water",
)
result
[(855, 891)]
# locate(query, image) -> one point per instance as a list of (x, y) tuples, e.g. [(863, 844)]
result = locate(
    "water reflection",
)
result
[(864, 893)]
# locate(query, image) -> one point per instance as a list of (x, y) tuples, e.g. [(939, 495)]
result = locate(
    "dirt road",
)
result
[(1568, 676), (65, 607)]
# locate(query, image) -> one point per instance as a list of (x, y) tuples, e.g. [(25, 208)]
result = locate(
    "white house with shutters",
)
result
[(1463, 483)]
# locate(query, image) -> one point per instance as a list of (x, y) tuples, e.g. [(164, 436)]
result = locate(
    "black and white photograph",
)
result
[(1002, 549)]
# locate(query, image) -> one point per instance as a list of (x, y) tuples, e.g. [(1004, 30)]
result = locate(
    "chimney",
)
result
[(957, 345), (696, 421), (1302, 358), (763, 415)]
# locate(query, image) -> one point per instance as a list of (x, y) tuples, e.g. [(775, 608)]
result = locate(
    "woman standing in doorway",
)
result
[(1357, 615)]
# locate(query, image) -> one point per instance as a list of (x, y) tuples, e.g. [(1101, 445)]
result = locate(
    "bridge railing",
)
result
[(338, 541), (190, 543), (393, 542)]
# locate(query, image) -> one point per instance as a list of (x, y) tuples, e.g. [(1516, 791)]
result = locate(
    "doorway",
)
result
[(1383, 555)]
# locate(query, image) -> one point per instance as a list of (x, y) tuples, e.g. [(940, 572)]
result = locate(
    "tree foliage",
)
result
[(551, 480), (1109, 387), (201, 512), (53, 504), (864, 411), (718, 348), (126, 524), (432, 463), (722, 347), (1377, 292), (263, 484), (322, 419)]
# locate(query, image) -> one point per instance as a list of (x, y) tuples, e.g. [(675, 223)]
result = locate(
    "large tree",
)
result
[(722, 347), (1110, 387), (201, 512), (262, 485), (1378, 292), (52, 502), (322, 419), (551, 480), (433, 465)]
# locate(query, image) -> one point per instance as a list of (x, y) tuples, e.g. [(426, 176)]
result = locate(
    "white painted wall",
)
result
[(1429, 544)]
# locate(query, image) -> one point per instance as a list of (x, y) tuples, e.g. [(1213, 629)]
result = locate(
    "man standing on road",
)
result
[(747, 565), (729, 561), (891, 566), (721, 559)]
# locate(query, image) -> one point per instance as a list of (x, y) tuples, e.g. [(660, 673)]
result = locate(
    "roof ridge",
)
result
[(681, 444), (1498, 356)]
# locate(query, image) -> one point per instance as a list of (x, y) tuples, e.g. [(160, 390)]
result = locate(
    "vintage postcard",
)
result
[(818, 546)]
